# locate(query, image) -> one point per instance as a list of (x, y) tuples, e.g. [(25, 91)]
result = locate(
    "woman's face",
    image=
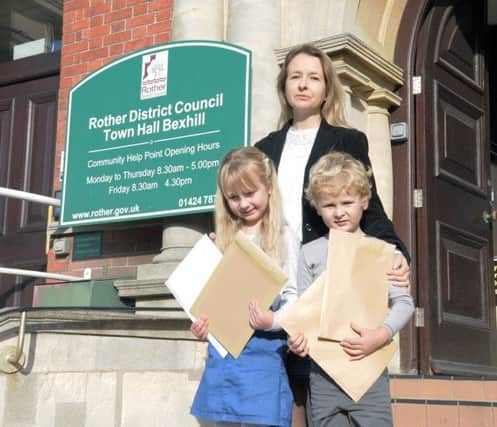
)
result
[(305, 86)]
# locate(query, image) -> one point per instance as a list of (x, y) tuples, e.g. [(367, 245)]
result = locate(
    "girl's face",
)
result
[(305, 86), (249, 204)]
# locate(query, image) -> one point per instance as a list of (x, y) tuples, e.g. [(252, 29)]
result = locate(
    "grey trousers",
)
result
[(332, 407)]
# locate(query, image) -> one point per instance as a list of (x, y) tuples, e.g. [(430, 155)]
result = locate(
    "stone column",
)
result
[(380, 153), (198, 20), (256, 25)]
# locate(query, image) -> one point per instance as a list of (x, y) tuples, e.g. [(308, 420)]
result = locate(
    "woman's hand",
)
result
[(298, 344), (399, 274), (259, 319), (200, 328), (368, 341)]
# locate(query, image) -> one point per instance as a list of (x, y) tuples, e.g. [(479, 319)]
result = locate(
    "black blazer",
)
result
[(374, 221)]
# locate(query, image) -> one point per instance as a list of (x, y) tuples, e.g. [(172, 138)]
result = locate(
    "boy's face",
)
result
[(342, 211)]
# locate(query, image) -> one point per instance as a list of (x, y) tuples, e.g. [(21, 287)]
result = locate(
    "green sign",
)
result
[(145, 134), (87, 245)]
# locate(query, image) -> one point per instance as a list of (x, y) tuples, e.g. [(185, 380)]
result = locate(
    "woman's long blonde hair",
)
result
[(333, 108), (242, 168)]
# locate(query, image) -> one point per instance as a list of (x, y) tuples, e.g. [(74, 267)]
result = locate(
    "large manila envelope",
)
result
[(244, 274), (356, 286), (354, 377), (191, 275)]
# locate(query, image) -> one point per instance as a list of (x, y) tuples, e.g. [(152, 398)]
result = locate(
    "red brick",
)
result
[(138, 32), (118, 15), (134, 2), (99, 31), (475, 416), (76, 69), (57, 266), (162, 38), (99, 262), (118, 4), (139, 44), (68, 60), (69, 5), (117, 38), (140, 259), (79, 24), (163, 15), (119, 261), (66, 82), (75, 47), (442, 415), (96, 21), (95, 43), (100, 8), (409, 415), (468, 390), (117, 26), (140, 20), (159, 27), (94, 54), (160, 4), (116, 49), (68, 38), (95, 65), (139, 9)]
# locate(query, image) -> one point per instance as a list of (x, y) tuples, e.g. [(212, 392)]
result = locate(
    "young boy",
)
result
[(339, 189)]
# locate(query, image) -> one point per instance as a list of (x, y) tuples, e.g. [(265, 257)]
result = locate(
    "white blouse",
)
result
[(296, 151)]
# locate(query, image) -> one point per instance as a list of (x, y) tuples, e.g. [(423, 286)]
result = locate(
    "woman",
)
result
[(313, 119)]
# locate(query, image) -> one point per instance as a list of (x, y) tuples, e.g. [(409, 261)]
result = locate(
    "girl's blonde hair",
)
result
[(335, 172), (243, 169), (332, 110)]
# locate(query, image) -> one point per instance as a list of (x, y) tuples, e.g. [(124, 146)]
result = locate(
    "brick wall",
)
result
[(96, 32)]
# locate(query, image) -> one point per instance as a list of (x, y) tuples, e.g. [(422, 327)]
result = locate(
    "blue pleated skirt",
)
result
[(250, 389)]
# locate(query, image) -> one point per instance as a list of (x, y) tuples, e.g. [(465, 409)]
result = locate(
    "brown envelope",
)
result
[(356, 287), (245, 273), (354, 377)]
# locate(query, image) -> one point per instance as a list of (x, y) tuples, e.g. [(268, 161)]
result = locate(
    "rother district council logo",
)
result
[(154, 75)]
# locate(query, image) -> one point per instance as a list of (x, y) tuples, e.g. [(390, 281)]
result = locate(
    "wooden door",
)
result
[(28, 112), (454, 242)]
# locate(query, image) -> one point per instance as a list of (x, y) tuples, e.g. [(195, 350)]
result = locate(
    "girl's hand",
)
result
[(200, 328), (298, 344), (368, 341), (259, 319), (212, 236), (400, 272)]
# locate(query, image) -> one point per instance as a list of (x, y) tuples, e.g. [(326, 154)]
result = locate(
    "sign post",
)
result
[(145, 134)]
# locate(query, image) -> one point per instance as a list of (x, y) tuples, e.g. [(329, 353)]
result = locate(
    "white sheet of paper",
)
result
[(191, 275)]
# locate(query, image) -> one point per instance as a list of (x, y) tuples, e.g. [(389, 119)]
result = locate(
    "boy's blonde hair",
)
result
[(333, 108), (335, 172), (242, 168)]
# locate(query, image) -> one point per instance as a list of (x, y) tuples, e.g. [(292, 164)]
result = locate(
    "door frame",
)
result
[(412, 222), (414, 340)]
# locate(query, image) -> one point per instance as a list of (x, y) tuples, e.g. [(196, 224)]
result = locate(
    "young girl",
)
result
[(252, 389)]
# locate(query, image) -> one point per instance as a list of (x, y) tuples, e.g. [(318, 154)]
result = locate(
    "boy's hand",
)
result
[(298, 344), (400, 272), (259, 319), (368, 341), (200, 328)]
